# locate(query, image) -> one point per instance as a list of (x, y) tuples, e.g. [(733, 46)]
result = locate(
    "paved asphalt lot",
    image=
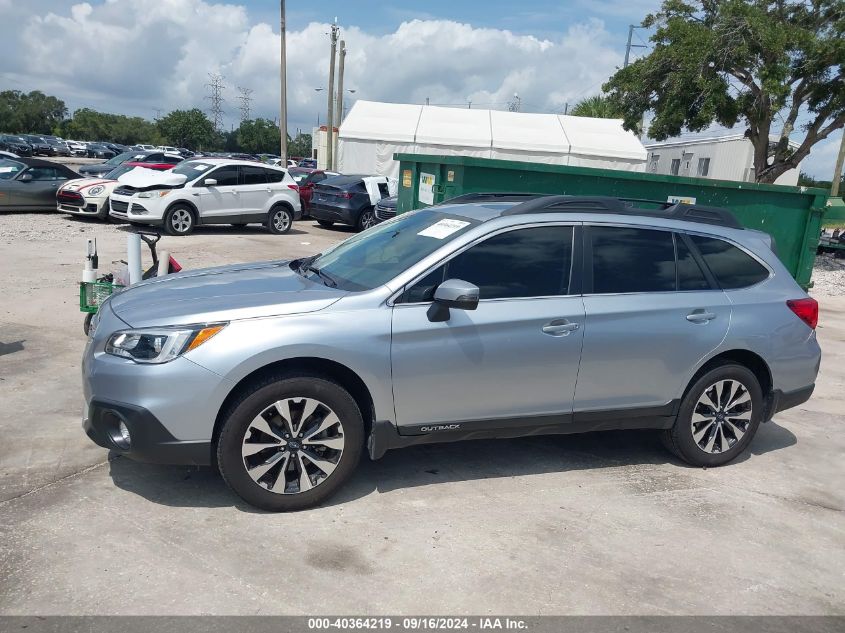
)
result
[(603, 523)]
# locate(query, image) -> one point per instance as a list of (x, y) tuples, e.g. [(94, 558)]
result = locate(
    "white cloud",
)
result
[(137, 55)]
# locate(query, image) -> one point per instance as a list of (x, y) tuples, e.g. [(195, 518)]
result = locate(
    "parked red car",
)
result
[(306, 178)]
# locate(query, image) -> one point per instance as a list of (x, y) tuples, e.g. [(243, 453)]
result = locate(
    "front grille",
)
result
[(125, 190), (71, 198), (119, 206), (385, 213)]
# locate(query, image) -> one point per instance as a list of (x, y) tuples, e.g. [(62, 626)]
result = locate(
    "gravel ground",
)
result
[(828, 276), (51, 227)]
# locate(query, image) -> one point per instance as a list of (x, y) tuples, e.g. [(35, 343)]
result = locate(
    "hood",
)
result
[(225, 293), (388, 203), (102, 168), (141, 177), (79, 184)]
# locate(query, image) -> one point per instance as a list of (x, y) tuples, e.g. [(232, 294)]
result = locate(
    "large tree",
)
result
[(32, 112), (776, 65), (299, 147), (187, 128), (259, 136), (91, 125)]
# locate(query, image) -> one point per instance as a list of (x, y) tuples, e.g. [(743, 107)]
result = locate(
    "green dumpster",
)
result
[(791, 215)]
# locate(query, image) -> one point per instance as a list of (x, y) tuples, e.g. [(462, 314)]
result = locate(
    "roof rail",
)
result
[(622, 206)]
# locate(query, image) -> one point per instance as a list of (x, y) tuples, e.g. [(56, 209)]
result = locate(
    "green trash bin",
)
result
[(791, 215)]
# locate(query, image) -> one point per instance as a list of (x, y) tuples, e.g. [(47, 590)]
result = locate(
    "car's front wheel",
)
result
[(280, 220), (179, 220), (290, 442), (718, 417)]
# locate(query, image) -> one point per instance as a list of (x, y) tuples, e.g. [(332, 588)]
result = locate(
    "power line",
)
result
[(245, 100), (216, 88)]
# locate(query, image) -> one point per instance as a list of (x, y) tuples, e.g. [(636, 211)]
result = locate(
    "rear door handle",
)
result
[(559, 327), (700, 316)]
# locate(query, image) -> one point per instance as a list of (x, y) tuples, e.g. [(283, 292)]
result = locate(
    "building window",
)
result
[(703, 167), (652, 166), (676, 166)]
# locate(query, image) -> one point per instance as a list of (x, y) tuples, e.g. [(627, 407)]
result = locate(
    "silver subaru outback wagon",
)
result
[(488, 316)]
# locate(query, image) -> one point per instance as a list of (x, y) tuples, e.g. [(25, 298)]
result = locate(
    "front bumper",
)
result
[(149, 440)]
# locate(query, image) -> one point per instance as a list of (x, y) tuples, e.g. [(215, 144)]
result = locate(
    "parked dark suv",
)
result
[(15, 144), (348, 200)]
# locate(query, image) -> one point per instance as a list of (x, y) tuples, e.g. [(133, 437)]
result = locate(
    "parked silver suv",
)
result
[(488, 316)]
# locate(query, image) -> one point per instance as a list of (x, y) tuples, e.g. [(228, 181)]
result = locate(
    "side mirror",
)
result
[(25, 178), (453, 293), (209, 182)]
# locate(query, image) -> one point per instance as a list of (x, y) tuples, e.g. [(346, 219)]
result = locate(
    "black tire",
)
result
[(279, 220), (681, 440), (179, 220), (366, 219), (326, 224), (256, 399), (86, 324)]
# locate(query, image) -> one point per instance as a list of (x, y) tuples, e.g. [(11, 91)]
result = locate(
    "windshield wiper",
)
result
[(330, 281)]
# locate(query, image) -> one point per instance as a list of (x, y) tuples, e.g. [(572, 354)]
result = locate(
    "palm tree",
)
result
[(597, 106)]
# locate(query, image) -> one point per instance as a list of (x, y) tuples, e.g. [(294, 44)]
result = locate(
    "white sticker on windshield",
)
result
[(201, 167), (443, 228), (6, 170)]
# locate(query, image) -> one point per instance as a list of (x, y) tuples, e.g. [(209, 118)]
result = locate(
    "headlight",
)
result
[(96, 191), (159, 345), (154, 194)]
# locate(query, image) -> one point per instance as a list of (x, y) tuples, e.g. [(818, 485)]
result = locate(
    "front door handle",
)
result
[(700, 316), (559, 327)]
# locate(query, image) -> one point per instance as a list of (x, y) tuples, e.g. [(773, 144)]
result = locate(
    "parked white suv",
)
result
[(208, 191)]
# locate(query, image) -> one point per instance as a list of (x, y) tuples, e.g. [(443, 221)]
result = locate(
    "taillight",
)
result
[(294, 187), (346, 194), (805, 309)]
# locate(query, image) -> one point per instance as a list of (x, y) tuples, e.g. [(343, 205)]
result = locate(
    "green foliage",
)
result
[(599, 106), (32, 112), (259, 136), (757, 61), (91, 125), (188, 128), (300, 146)]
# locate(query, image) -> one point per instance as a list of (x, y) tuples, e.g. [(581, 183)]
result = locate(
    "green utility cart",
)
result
[(791, 215)]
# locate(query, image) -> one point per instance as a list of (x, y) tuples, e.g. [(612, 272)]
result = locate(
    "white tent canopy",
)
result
[(372, 132)]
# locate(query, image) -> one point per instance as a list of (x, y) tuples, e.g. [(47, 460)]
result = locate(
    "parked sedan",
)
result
[(30, 183), (348, 200), (40, 147), (386, 208), (99, 150), (152, 158), (15, 145)]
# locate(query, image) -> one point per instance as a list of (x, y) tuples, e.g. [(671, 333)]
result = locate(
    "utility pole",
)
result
[(469, 104), (629, 46), (837, 175), (339, 113), (283, 85), (216, 88), (566, 108), (330, 92), (245, 101), (426, 100)]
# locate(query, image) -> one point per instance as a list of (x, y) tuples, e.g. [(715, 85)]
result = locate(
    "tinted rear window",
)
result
[(732, 267), (690, 276), (632, 260)]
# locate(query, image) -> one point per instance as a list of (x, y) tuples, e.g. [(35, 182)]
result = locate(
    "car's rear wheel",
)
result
[(719, 416), (179, 220), (279, 220), (326, 224), (290, 442), (366, 220)]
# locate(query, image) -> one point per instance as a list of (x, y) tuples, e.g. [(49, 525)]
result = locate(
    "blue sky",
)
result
[(144, 56)]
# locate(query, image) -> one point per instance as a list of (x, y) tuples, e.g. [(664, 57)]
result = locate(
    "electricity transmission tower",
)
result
[(514, 105), (216, 88), (245, 99)]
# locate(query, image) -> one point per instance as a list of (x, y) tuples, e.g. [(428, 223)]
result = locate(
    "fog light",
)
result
[(118, 433)]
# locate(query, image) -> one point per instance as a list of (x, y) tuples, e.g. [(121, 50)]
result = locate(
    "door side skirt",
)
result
[(386, 436)]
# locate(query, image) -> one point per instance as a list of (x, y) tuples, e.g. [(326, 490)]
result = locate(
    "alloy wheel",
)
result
[(721, 416), (281, 220), (181, 220), (293, 445), (368, 220)]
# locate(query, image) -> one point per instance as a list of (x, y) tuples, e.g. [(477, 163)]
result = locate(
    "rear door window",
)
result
[(274, 176), (253, 175), (632, 260), (690, 275), (732, 267)]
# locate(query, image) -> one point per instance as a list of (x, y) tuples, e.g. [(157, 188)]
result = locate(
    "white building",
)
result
[(726, 156), (373, 131)]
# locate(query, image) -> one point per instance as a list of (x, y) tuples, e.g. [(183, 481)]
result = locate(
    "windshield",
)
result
[(374, 257), (192, 169), (122, 158), (117, 172), (10, 168)]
